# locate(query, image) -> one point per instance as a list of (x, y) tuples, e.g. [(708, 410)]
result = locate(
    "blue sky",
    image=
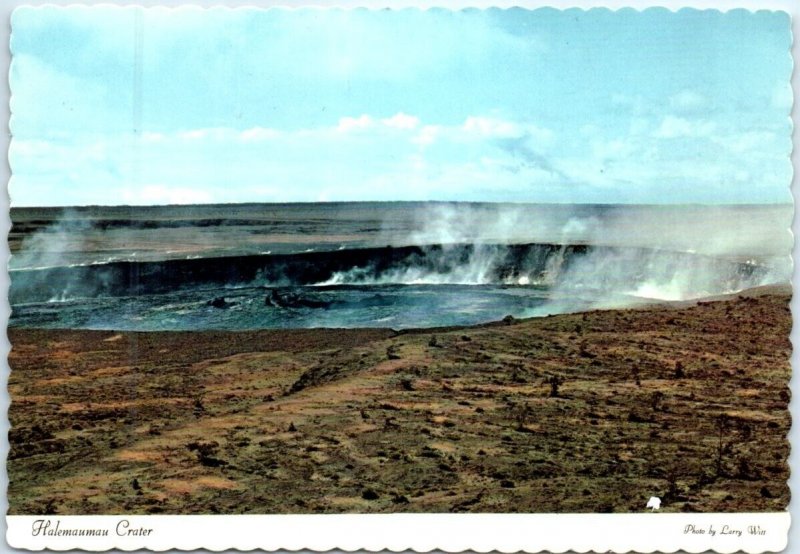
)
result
[(157, 106)]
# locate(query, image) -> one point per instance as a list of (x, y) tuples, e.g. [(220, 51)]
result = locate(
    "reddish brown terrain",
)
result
[(591, 412)]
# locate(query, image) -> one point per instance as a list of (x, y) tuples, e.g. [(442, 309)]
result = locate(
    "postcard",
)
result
[(458, 279)]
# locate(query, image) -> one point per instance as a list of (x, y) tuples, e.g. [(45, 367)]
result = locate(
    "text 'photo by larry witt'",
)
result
[(348, 261)]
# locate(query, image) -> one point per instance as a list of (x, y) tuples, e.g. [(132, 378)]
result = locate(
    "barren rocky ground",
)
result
[(591, 412)]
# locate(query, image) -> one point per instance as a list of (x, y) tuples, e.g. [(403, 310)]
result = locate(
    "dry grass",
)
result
[(327, 421)]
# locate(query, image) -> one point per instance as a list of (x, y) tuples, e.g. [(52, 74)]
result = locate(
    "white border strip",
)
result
[(749, 532), (789, 6)]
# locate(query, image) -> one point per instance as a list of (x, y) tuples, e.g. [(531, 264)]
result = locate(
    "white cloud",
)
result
[(194, 134), (30, 147), (491, 127), (347, 124), (782, 98), (539, 135), (675, 127), (72, 103), (750, 142), (257, 134), (401, 121), (427, 135), (401, 157), (688, 101), (148, 136)]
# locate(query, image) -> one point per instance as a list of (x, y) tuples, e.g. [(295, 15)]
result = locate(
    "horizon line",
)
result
[(332, 202)]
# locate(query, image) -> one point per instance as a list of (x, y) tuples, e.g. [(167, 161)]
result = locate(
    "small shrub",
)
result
[(522, 415), (206, 452), (369, 494), (655, 400), (555, 382)]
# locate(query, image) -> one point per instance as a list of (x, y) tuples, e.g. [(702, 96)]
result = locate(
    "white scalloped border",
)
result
[(505, 533), (483, 533)]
